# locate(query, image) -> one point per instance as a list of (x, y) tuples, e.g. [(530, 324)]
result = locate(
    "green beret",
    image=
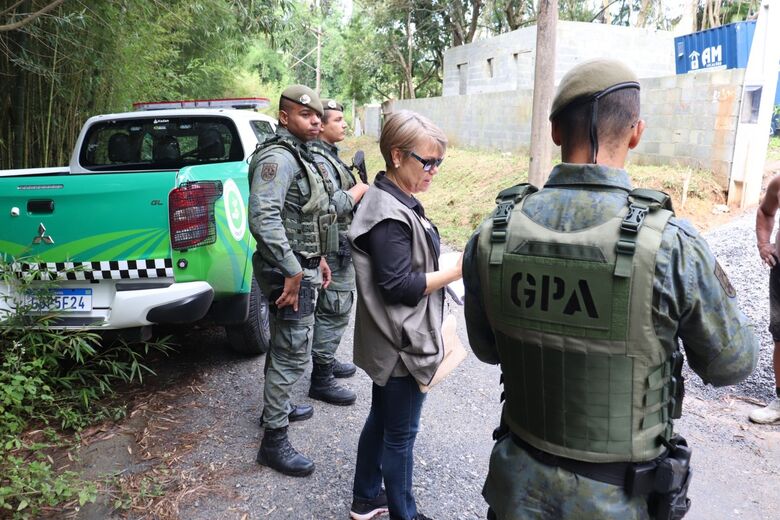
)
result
[(332, 104), (303, 95), (591, 80)]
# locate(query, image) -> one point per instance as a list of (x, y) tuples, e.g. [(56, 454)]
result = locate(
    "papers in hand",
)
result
[(454, 352), (455, 289)]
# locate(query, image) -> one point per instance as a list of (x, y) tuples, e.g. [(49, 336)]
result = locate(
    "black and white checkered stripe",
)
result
[(107, 270)]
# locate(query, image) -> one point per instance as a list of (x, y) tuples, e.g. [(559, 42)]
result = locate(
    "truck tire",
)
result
[(253, 337)]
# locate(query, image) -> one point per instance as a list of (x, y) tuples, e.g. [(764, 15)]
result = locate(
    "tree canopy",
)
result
[(62, 61)]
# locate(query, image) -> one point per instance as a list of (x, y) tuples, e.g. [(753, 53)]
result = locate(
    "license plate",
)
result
[(62, 300)]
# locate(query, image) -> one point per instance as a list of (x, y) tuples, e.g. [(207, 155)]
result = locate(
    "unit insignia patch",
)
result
[(268, 172)]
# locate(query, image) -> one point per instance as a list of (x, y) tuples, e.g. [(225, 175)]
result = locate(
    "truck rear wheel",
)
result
[(254, 336)]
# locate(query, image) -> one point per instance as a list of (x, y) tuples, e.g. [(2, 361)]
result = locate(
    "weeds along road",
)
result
[(187, 449)]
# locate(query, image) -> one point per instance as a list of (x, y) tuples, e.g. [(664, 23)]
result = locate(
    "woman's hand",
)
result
[(438, 279)]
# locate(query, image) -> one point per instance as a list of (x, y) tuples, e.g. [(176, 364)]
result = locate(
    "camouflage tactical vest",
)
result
[(345, 178), (585, 376), (310, 227)]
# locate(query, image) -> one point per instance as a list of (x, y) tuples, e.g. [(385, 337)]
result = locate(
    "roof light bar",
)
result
[(246, 103)]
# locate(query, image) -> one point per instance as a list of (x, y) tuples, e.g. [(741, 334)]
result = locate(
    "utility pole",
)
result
[(544, 84)]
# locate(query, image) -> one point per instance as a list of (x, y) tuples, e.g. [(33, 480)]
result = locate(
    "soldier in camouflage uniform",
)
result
[(580, 291), (294, 224), (335, 302)]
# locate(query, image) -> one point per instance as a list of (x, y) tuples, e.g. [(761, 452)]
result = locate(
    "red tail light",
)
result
[(191, 211)]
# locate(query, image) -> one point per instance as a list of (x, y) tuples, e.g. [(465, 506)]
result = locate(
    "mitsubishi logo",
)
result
[(42, 236)]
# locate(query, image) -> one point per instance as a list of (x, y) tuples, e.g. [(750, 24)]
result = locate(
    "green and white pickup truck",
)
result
[(148, 224)]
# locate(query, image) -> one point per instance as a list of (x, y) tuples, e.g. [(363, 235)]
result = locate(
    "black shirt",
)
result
[(389, 243)]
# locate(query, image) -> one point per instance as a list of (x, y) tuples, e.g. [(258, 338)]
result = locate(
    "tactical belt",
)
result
[(308, 263), (615, 473)]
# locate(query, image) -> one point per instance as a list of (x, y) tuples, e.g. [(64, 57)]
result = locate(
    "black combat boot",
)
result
[(324, 387), (277, 453), (300, 412), (344, 369)]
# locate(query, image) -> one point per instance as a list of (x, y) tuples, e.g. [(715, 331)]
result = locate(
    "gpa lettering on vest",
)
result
[(572, 293), (552, 289)]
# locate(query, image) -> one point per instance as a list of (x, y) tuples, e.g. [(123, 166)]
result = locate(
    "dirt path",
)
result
[(196, 437), (187, 449)]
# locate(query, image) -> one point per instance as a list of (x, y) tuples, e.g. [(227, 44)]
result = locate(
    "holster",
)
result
[(672, 479), (306, 298), (665, 481), (344, 253)]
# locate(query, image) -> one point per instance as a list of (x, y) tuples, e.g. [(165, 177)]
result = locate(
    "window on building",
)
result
[(490, 67), (463, 78)]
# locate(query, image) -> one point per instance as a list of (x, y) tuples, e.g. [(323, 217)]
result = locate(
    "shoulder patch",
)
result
[(720, 274), (268, 172)]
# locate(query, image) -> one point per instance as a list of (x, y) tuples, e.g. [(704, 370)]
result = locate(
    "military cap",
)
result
[(591, 80), (303, 95), (332, 104)]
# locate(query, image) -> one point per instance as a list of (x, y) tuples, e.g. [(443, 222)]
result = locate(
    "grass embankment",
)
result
[(464, 191), (773, 152)]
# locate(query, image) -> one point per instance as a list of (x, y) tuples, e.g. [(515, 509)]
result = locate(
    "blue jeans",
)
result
[(386, 444)]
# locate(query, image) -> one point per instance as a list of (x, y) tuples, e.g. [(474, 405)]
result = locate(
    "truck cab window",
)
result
[(155, 143)]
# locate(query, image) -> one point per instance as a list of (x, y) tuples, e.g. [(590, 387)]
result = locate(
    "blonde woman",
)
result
[(395, 249)]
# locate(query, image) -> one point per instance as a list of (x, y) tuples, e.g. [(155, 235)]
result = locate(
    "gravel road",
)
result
[(194, 433)]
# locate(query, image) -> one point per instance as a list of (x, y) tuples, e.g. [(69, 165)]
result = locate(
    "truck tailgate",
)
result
[(86, 218)]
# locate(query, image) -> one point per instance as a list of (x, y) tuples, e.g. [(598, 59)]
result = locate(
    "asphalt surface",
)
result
[(195, 432)]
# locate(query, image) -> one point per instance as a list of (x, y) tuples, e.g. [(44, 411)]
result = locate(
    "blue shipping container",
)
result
[(724, 47)]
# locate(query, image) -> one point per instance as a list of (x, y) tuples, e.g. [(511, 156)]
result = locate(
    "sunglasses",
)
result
[(428, 164)]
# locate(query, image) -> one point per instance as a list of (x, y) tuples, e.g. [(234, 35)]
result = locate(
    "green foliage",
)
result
[(508, 15), (28, 484), (714, 13), (85, 59), (773, 150), (51, 377)]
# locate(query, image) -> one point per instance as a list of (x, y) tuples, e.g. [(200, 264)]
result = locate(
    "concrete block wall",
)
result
[(507, 61), (493, 121), (691, 120), (372, 120)]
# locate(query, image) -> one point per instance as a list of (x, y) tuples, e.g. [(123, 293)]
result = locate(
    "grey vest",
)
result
[(384, 333)]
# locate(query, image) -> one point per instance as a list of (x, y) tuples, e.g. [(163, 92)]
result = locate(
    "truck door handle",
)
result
[(40, 206)]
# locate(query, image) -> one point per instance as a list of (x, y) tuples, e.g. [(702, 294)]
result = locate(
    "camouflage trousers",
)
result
[(520, 488), (332, 316), (287, 359)]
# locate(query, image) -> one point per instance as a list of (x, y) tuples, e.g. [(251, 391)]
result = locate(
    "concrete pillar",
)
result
[(752, 137)]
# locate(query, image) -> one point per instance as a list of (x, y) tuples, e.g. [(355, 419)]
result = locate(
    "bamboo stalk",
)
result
[(51, 93)]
